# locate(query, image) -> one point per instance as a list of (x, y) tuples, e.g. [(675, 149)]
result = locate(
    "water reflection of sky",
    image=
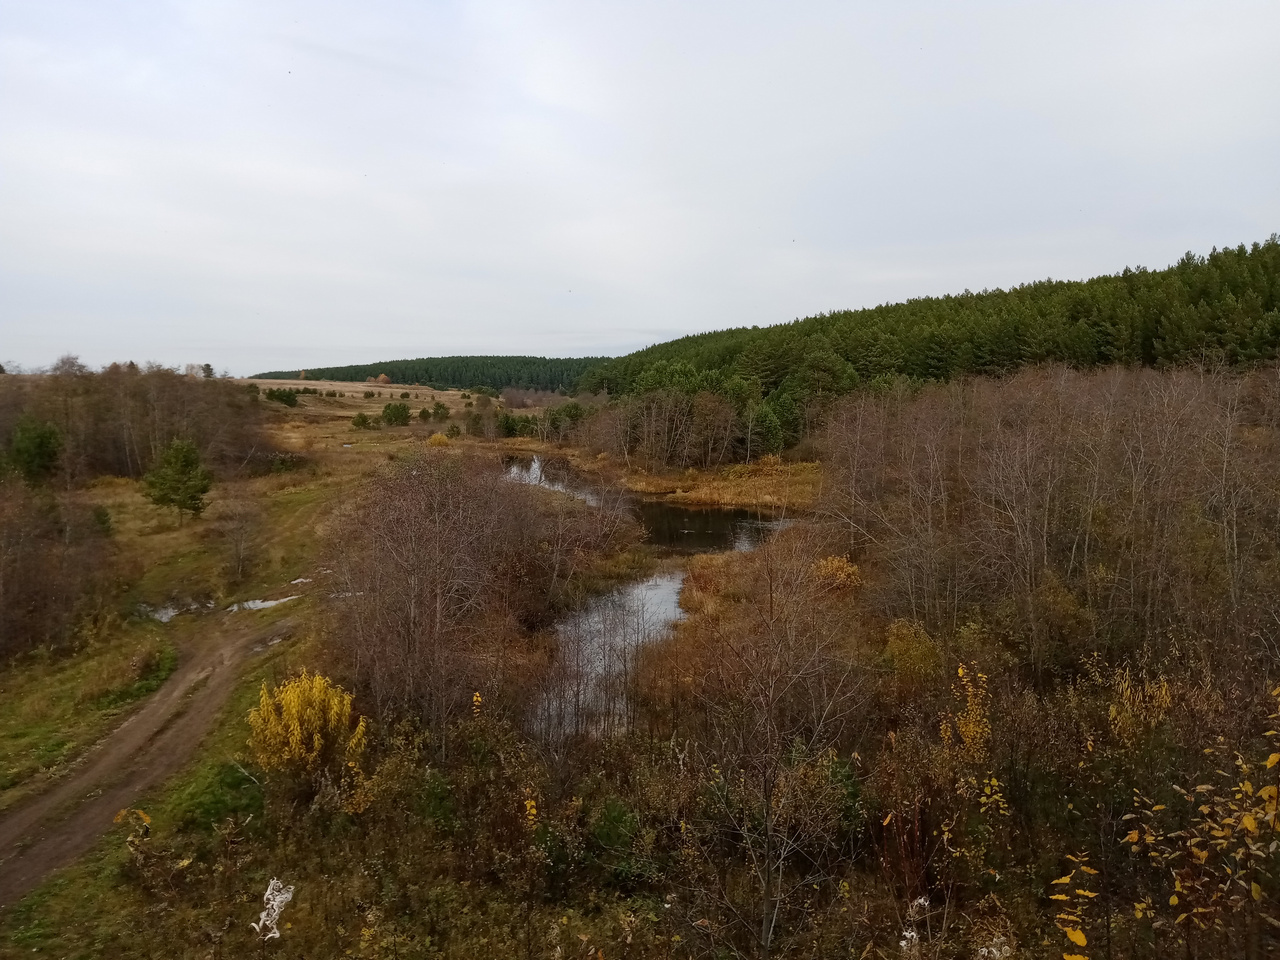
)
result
[(552, 475), (703, 529), (586, 691), (597, 645), (671, 526), (613, 624)]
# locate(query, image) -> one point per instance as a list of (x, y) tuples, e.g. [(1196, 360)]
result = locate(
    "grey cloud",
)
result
[(301, 184)]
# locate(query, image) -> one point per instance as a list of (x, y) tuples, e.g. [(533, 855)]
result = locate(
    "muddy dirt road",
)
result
[(54, 828)]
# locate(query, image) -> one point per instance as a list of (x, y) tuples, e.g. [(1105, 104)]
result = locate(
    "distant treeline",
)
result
[(1223, 308), (117, 421), (459, 373), (59, 433)]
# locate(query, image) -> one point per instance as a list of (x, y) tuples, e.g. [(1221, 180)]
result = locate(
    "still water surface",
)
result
[(598, 644), (670, 526)]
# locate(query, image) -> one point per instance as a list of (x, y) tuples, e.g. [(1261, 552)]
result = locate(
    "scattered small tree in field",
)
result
[(282, 395), (453, 432), (362, 421), (178, 480), (396, 414), (34, 449), (439, 412), (239, 525)]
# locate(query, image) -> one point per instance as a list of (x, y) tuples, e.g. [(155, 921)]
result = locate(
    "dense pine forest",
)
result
[(458, 373), (1220, 308)]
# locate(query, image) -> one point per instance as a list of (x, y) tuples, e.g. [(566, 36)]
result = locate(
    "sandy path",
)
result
[(54, 828)]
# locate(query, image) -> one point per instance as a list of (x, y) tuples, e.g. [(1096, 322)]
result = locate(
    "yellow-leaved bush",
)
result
[(967, 731), (304, 726), (836, 573), (912, 654)]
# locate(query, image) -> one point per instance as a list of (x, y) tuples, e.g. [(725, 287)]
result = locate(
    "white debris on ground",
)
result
[(260, 604)]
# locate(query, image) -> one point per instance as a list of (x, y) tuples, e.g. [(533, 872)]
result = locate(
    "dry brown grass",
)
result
[(321, 427), (793, 485), (767, 483)]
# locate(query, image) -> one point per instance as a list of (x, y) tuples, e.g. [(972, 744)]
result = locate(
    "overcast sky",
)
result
[(267, 184)]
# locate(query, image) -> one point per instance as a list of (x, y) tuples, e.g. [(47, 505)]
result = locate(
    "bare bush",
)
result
[(438, 564), (1078, 512), (55, 562), (765, 687), (239, 525)]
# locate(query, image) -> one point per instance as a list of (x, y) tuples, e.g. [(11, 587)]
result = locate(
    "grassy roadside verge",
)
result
[(53, 708), (55, 705), (89, 909)]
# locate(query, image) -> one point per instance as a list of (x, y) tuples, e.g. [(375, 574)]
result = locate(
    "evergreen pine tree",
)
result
[(34, 449), (178, 480)]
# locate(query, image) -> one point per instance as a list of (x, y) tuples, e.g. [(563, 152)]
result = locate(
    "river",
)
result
[(598, 644)]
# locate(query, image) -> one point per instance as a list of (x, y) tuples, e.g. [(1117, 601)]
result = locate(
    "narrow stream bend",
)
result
[(586, 691)]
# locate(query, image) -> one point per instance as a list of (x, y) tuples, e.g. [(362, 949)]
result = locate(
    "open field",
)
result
[(321, 424)]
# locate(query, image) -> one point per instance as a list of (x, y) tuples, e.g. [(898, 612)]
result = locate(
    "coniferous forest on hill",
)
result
[(1220, 308), (946, 630), (458, 373)]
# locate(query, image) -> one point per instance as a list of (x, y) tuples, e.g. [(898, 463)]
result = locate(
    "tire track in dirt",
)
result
[(53, 829)]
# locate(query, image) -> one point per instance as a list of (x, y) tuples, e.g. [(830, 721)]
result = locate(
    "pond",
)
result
[(585, 690), (673, 527)]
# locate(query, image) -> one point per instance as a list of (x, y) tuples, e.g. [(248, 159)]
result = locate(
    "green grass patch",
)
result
[(55, 706), (90, 909), (154, 671)]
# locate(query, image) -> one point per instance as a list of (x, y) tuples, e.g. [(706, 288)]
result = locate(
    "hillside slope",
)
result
[(1224, 307)]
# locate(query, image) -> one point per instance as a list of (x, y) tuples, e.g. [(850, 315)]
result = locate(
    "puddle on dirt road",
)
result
[(260, 604), (166, 612)]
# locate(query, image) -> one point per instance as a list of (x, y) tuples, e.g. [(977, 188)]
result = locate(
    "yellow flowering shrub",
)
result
[(1212, 862), (1139, 705), (304, 725)]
